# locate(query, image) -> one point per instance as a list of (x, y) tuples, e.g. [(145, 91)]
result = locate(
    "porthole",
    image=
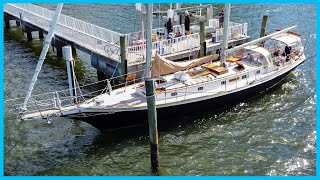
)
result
[(223, 82), (244, 76), (200, 88), (174, 94)]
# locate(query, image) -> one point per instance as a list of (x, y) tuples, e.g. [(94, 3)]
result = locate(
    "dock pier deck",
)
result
[(104, 45)]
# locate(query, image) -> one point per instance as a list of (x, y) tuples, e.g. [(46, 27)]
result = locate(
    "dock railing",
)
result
[(214, 23), (163, 47), (236, 31), (161, 34)]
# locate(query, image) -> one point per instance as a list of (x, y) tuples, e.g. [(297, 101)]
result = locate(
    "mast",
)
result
[(225, 38), (148, 29), (43, 54)]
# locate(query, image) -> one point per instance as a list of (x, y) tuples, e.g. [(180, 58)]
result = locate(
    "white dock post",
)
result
[(70, 69)]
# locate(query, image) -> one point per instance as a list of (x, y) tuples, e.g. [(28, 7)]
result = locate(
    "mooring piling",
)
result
[(41, 34), (153, 129), (202, 38), (123, 56), (149, 85), (263, 28)]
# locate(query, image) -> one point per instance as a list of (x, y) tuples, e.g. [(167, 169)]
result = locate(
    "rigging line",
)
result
[(106, 87), (79, 88), (77, 84), (159, 16)]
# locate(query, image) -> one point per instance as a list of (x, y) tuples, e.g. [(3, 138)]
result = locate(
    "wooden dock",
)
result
[(108, 55)]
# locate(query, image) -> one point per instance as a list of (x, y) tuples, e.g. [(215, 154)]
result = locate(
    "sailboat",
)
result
[(183, 87)]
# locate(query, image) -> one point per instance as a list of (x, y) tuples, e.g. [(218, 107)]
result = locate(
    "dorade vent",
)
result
[(234, 79), (223, 82), (174, 94), (200, 88), (244, 76), (131, 77)]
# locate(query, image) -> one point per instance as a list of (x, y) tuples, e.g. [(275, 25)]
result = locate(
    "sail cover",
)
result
[(163, 66)]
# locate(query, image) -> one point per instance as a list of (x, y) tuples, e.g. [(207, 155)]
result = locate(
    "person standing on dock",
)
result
[(187, 22), (168, 26), (221, 19)]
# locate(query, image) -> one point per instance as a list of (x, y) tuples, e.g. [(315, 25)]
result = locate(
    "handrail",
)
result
[(82, 33), (165, 46)]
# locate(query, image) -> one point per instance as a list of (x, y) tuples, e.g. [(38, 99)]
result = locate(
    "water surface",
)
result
[(273, 134)]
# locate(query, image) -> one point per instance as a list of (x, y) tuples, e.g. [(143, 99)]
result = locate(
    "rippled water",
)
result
[(273, 134)]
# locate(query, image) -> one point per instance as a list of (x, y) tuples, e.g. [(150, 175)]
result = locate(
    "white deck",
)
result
[(199, 83), (134, 96)]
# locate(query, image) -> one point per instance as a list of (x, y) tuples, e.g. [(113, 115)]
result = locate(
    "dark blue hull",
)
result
[(121, 119)]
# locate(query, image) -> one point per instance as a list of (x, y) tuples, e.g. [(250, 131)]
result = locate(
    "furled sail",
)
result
[(163, 66)]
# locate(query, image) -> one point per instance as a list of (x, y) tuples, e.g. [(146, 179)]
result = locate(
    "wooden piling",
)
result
[(74, 51), (41, 34), (263, 28), (150, 95), (58, 45), (52, 44), (29, 35), (123, 56), (23, 27), (202, 38), (209, 14), (153, 129), (7, 22)]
